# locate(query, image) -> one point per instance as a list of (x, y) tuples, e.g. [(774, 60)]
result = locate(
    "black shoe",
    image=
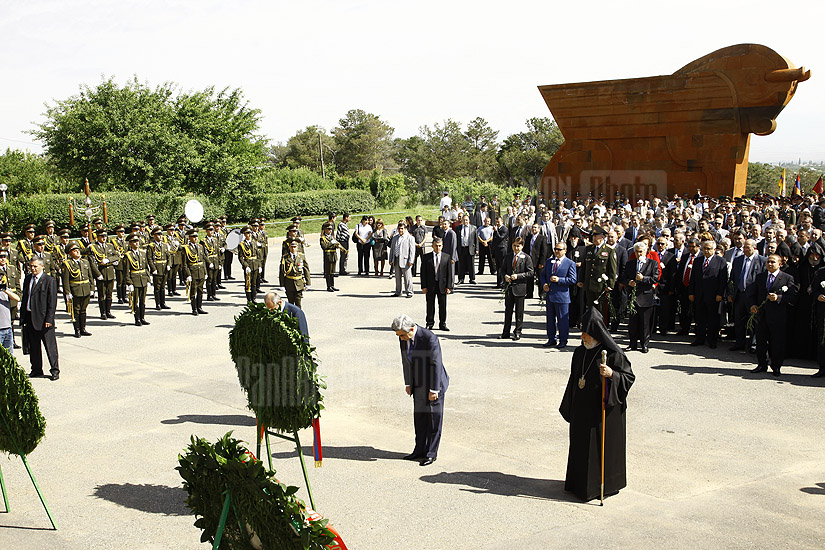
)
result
[(201, 311), (137, 323), (561, 345), (516, 336), (414, 457), (427, 461), (757, 370), (264, 280), (109, 315), (444, 328), (164, 306), (503, 336), (335, 289), (77, 334), (429, 327), (549, 344), (35, 375), (85, 332), (157, 307), (697, 343), (631, 348), (228, 278), (330, 289), (818, 374), (775, 373), (210, 299), (103, 317), (194, 312), (144, 322), (645, 350), (472, 281), (54, 377), (221, 287), (16, 345)]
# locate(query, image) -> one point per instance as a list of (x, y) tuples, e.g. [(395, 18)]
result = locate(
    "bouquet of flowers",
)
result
[(754, 317)]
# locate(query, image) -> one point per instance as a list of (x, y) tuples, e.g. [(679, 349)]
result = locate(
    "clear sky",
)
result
[(412, 63)]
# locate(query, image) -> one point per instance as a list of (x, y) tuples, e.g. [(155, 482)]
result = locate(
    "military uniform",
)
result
[(248, 256), (173, 244), (330, 247), (77, 282), (226, 255), (119, 243), (220, 236), (294, 277), (263, 253), (25, 248), (40, 252), (599, 263), (160, 262), (213, 265), (194, 268), (104, 261), (137, 277)]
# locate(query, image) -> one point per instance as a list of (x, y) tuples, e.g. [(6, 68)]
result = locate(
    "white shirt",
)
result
[(31, 286), (445, 201)]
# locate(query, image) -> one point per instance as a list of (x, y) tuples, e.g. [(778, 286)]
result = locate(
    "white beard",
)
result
[(590, 344)]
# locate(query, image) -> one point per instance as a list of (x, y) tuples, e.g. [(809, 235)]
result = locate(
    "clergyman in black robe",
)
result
[(581, 408)]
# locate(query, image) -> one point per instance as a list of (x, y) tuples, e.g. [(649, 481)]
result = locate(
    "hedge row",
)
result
[(126, 207)]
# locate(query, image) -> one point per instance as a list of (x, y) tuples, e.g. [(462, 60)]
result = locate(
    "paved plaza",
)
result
[(717, 457)]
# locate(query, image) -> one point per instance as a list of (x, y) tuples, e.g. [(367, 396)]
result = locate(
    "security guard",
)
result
[(294, 274), (194, 268), (103, 259), (119, 242), (173, 244), (600, 271), (213, 265), (248, 256), (137, 278), (330, 247), (157, 254), (77, 287)]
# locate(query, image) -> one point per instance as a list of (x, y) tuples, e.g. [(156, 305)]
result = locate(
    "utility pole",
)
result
[(321, 151)]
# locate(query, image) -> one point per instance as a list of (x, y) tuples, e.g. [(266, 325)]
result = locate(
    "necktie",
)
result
[(688, 267), (515, 259), (745, 266), (436, 263), (770, 280), (555, 265), (705, 266), (639, 266)]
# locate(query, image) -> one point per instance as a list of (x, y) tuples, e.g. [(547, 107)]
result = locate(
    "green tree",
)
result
[(141, 139), (483, 145), (27, 173), (302, 150), (363, 142), (523, 156), (437, 153)]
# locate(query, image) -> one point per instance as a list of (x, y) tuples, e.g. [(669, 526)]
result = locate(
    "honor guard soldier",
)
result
[(173, 244), (52, 239), (220, 235), (294, 274), (227, 254), (600, 271), (104, 260), (259, 252), (213, 265), (40, 252), (194, 268), (97, 225), (248, 256), (160, 263), (291, 234), (77, 288), (180, 231), (137, 278), (59, 251), (25, 247), (121, 246), (330, 247), (263, 238), (85, 241), (10, 278), (150, 224), (5, 244)]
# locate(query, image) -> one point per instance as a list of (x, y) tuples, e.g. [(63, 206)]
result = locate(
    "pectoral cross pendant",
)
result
[(581, 382)]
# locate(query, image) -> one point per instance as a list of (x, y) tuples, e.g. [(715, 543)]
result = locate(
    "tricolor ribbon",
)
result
[(317, 451)]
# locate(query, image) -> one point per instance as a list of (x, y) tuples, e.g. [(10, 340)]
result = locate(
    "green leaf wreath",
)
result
[(21, 424), (276, 368), (260, 504)]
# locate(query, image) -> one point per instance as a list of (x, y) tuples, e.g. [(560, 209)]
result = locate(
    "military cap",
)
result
[(102, 232), (38, 240), (134, 226), (222, 218), (169, 227), (97, 220), (63, 233), (157, 231), (72, 246), (290, 240), (120, 227), (5, 236), (326, 226), (4, 253), (150, 217), (291, 228), (210, 225), (246, 230), (599, 230), (84, 227), (182, 219), (49, 223), (253, 222), (131, 238), (29, 227), (296, 219), (192, 232)]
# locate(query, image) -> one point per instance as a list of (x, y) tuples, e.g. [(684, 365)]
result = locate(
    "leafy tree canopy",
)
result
[(363, 142)]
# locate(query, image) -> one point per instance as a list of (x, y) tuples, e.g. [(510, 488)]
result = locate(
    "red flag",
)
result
[(818, 189)]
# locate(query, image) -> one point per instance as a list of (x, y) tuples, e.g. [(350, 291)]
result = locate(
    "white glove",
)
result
[(223, 250), (155, 272), (105, 261), (211, 266), (130, 288), (114, 263), (260, 270), (189, 279), (248, 270), (168, 268), (100, 277)]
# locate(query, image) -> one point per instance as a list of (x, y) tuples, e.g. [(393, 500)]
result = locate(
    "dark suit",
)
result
[(557, 298), (632, 233), (771, 331), (640, 324), (538, 255), (681, 291), (499, 244), (706, 283), (297, 313), (423, 372), (617, 295), (466, 264), (34, 317), (450, 245), (436, 285), (740, 292), (517, 290)]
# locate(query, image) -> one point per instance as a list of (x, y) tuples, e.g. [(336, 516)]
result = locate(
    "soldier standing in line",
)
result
[(330, 247), (157, 256), (137, 278), (51, 238), (294, 274), (119, 243), (97, 225), (253, 224), (40, 252), (248, 256), (227, 254), (262, 238), (77, 287), (194, 268), (10, 274), (173, 244), (220, 237), (5, 243), (213, 265), (600, 272), (181, 233), (150, 223), (103, 260), (25, 248), (85, 241)]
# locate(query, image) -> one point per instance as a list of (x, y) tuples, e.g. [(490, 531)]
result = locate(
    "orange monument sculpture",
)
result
[(680, 133)]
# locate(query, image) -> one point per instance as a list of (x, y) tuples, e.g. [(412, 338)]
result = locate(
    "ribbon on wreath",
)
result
[(317, 450)]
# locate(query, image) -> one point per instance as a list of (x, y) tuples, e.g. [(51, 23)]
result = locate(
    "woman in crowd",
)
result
[(379, 247)]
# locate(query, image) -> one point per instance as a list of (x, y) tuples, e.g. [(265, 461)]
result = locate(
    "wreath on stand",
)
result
[(22, 426)]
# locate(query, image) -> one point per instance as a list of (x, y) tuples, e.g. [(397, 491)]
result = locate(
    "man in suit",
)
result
[(681, 285), (467, 245), (744, 271), (426, 380), (449, 239), (769, 297), (738, 242), (500, 243), (37, 309), (273, 300), (436, 282), (537, 248), (663, 317), (617, 296), (557, 277), (633, 232), (518, 270), (402, 256), (708, 281), (641, 275)]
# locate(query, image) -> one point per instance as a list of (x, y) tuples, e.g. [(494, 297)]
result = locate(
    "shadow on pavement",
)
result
[(155, 499), (497, 483), (213, 419), (361, 453), (745, 373), (818, 490)]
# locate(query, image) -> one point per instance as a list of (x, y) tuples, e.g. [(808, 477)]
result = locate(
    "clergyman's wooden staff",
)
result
[(604, 360)]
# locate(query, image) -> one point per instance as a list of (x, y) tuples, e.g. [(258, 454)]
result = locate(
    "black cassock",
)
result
[(581, 407)]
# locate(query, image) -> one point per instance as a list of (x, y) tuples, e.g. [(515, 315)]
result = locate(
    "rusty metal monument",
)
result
[(669, 134)]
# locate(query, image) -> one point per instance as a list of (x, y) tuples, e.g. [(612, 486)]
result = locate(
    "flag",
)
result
[(782, 184), (797, 188), (818, 189)]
